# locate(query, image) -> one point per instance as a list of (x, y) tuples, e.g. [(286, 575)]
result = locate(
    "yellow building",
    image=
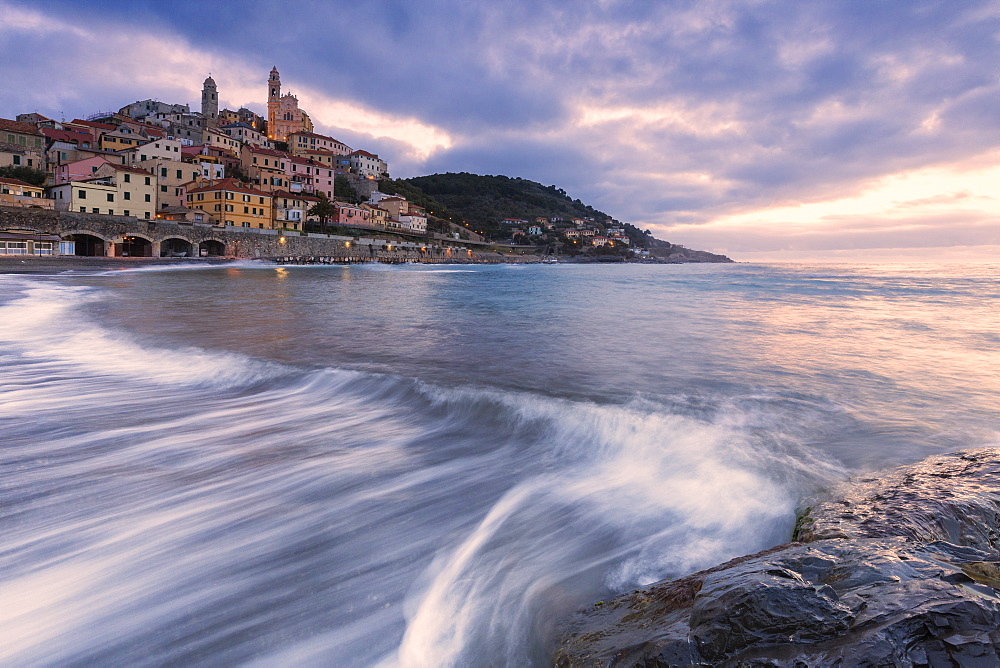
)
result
[(135, 189), (14, 192), (233, 203)]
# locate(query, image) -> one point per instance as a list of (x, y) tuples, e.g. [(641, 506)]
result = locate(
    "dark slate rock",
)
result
[(909, 578)]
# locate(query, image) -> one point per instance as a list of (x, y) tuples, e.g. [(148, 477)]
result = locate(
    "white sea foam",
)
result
[(43, 325), (665, 493)]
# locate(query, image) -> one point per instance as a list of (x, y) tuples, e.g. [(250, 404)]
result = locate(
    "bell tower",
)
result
[(273, 95), (210, 103)]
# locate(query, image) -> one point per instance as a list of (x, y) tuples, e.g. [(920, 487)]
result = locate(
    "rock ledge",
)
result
[(902, 569)]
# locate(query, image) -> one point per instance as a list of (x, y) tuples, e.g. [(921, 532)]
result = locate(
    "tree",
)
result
[(35, 177), (343, 189), (323, 209), (236, 172)]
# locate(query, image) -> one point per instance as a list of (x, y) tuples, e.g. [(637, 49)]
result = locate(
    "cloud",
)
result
[(118, 64), (678, 116)]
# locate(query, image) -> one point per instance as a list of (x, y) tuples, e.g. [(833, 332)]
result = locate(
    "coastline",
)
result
[(17, 264)]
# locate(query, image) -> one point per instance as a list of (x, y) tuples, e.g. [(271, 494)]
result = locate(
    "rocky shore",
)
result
[(895, 570)]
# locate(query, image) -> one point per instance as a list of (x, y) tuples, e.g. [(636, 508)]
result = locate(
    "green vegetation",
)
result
[(323, 209), (35, 177), (343, 190), (479, 203)]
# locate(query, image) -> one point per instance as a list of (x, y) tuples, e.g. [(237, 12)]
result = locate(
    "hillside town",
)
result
[(158, 161), (154, 160)]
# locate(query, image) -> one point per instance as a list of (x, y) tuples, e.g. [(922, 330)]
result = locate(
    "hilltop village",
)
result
[(162, 162)]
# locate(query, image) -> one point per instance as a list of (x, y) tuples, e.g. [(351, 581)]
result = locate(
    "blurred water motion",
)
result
[(415, 466)]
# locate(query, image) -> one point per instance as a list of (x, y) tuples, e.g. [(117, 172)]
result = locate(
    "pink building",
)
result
[(79, 170)]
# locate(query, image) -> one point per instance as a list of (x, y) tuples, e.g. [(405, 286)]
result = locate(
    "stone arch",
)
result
[(211, 247), (177, 246), (134, 244), (87, 243)]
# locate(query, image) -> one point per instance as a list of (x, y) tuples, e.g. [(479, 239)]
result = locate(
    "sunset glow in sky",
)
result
[(760, 129)]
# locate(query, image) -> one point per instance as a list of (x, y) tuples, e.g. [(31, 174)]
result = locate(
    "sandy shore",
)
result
[(22, 264)]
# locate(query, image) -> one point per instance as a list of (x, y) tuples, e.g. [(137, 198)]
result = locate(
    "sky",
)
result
[(828, 129)]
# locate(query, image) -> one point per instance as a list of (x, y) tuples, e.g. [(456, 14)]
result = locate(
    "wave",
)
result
[(385, 519), (43, 324)]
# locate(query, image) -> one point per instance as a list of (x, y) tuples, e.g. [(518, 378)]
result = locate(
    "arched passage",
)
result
[(87, 245), (176, 247), (134, 246), (211, 247)]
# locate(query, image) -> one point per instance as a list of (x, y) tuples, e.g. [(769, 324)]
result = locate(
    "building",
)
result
[(171, 177), (352, 215), (290, 208), (14, 192), (29, 242), (242, 115), (21, 145), (310, 176), (79, 170), (232, 203), (283, 114), (219, 139), (210, 103), (268, 169), (243, 133), (162, 149), (300, 143), (150, 108), (87, 196), (368, 165), (135, 190)]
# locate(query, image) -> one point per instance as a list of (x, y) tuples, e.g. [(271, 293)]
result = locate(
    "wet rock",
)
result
[(909, 577)]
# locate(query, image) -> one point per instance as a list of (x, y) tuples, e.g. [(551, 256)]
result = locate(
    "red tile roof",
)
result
[(228, 184), (16, 182), (365, 153), (66, 135), (94, 124), (18, 126)]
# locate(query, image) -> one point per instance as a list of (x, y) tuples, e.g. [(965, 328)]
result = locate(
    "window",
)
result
[(43, 248), (147, 183), (146, 196), (246, 224), (127, 195), (82, 194), (179, 174), (126, 213), (96, 210), (111, 197), (201, 196), (246, 209), (261, 199), (163, 172), (17, 160), (13, 247), (111, 212), (128, 178), (163, 189), (145, 214)]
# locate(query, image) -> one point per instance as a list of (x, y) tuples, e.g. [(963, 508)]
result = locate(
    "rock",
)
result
[(898, 570)]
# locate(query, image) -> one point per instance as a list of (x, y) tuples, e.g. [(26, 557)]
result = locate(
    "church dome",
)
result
[(209, 81)]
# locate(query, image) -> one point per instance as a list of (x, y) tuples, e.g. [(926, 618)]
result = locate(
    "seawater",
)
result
[(432, 465)]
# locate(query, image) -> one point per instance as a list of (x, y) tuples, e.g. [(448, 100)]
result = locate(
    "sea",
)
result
[(436, 465)]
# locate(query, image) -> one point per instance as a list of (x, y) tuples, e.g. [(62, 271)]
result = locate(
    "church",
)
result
[(283, 113)]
